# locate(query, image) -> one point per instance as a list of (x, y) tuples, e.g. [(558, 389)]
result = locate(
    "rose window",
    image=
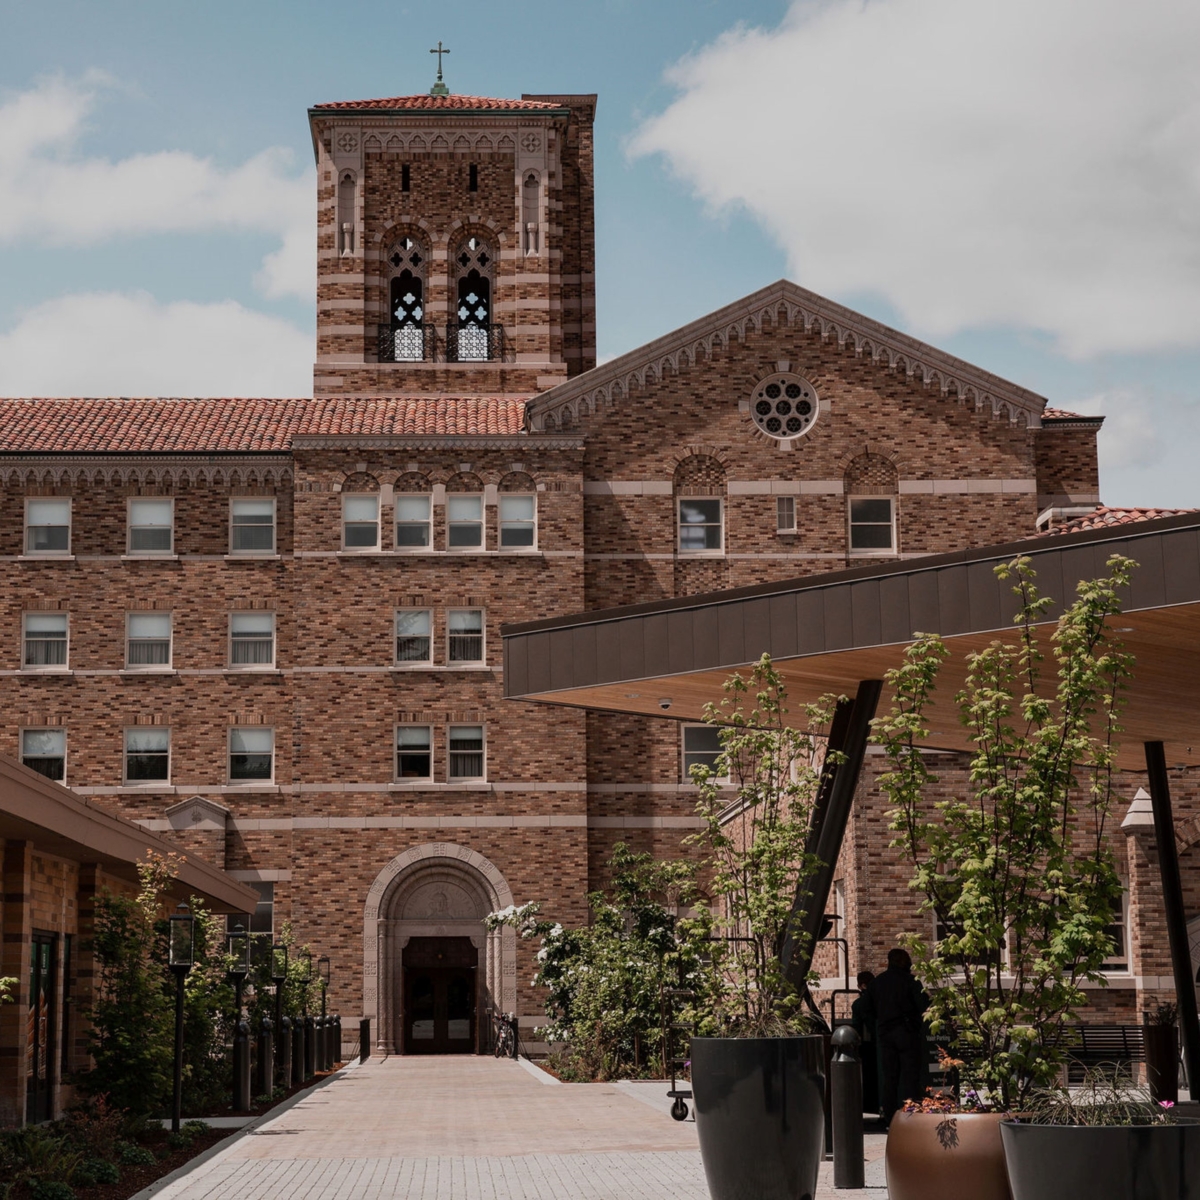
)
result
[(784, 406)]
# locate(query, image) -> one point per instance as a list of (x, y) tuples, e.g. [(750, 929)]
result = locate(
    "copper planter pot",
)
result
[(939, 1156)]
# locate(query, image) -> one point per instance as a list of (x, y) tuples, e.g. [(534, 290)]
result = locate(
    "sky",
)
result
[(1014, 181)]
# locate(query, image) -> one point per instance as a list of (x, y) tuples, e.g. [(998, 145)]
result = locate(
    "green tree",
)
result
[(1018, 870)]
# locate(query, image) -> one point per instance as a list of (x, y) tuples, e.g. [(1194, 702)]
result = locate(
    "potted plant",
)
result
[(1015, 874), (1102, 1142), (1160, 1037), (758, 1072)]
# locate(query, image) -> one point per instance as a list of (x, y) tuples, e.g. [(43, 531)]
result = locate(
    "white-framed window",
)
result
[(518, 522), (251, 754), (147, 754), (252, 639), (785, 514), (147, 641), (464, 522), (414, 752), (252, 525), (464, 635), (360, 522), (414, 635), (45, 641), (701, 748), (1117, 963), (414, 524), (48, 527), (466, 757), (151, 526), (701, 527), (872, 525), (45, 751)]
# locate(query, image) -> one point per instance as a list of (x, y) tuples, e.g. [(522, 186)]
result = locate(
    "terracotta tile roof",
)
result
[(170, 425), (1103, 517), (1061, 414), (425, 102)]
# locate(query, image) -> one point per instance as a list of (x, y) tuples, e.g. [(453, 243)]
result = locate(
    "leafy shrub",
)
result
[(93, 1171), (37, 1154), (94, 1127), (51, 1189), (133, 1155)]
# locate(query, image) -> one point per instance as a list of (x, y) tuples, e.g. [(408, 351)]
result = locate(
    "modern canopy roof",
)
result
[(828, 632)]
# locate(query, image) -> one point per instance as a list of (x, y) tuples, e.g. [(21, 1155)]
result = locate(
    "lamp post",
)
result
[(181, 952), (279, 973), (323, 976)]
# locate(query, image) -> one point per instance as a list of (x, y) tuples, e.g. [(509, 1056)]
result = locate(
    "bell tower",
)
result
[(455, 244)]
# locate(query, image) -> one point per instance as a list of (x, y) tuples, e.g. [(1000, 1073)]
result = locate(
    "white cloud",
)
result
[(51, 193), (116, 344), (1028, 163), (1130, 435)]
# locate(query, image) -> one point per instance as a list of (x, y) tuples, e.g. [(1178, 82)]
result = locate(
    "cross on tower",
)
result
[(439, 88)]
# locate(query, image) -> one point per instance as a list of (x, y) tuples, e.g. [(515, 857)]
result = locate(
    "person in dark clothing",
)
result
[(899, 1002), (862, 1017)]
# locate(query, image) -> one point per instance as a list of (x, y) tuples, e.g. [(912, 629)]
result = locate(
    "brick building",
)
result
[(269, 628)]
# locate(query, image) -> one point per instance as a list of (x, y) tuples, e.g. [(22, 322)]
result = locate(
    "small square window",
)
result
[(252, 526), (413, 525), (252, 754), (414, 752), (518, 522), (466, 752), (45, 640), (464, 628), (148, 642), (252, 639), (464, 517), (872, 528), (360, 522), (151, 526), (700, 526), (147, 755), (47, 526), (785, 514), (701, 747), (45, 751), (414, 635)]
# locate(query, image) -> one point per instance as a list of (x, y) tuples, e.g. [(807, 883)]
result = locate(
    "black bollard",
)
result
[(310, 1047), (241, 1068), (283, 1054), (297, 1051), (266, 1058), (846, 1101), (364, 1039)]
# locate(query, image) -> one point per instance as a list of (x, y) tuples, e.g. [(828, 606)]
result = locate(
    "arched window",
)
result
[(870, 485), (475, 272), (405, 339)]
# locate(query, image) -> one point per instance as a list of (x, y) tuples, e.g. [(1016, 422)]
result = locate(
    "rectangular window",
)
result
[(701, 747), (147, 754), (262, 920), (252, 639), (413, 523), (785, 514), (518, 521), (1118, 961), (464, 517), (466, 751), (151, 526), (872, 528), (473, 178), (414, 752), (47, 526), (252, 526), (360, 522), (45, 640), (148, 640), (464, 628), (699, 525), (45, 751), (252, 754), (405, 178), (414, 635)]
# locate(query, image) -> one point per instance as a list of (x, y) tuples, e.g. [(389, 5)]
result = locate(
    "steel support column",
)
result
[(848, 735), (1177, 936)]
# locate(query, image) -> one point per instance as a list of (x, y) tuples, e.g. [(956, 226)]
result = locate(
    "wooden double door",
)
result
[(440, 981)]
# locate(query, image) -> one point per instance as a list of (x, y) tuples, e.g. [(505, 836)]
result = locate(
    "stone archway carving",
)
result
[(435, 890)]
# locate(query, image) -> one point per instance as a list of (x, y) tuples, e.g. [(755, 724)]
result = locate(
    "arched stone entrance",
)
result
[(436, 891)]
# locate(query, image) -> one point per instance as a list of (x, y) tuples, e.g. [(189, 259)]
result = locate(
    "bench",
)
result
[(1104, 1045)]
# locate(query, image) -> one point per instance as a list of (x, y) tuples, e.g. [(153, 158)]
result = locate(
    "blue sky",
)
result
[(1034, 220)]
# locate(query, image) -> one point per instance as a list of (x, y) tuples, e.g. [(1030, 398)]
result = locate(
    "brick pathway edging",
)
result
[(227, 1144)]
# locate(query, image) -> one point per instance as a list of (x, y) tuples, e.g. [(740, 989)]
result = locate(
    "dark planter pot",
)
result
[(936, 1156), (760, 1115), (1103, 1162), (1162, 1061)]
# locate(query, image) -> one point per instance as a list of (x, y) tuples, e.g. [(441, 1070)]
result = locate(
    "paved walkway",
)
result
[(462, 1129)]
